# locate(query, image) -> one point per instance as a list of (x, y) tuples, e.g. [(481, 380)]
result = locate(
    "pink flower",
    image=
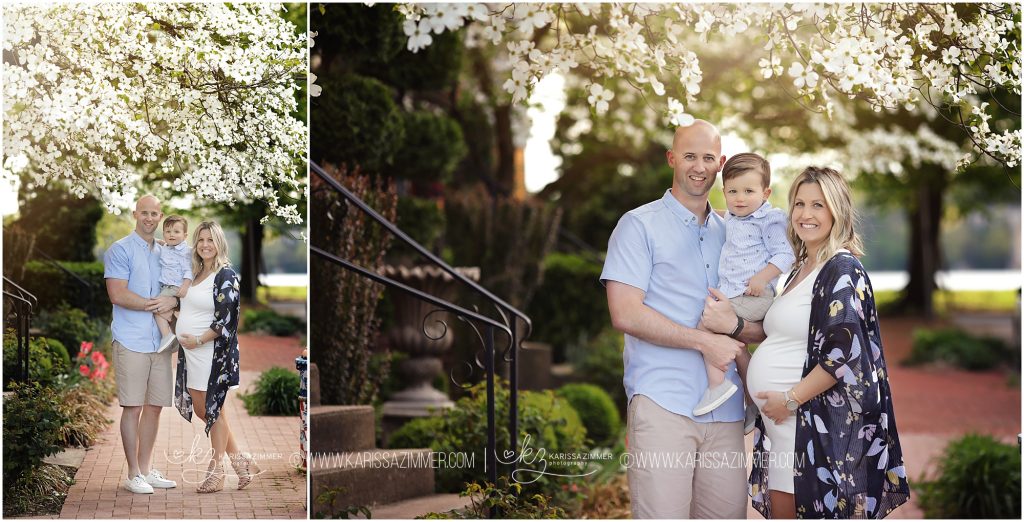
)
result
[(97, 357), (86, 348), (84, 370)]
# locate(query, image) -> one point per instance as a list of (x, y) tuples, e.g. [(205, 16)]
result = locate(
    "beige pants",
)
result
[(143, 378), (679, 468)]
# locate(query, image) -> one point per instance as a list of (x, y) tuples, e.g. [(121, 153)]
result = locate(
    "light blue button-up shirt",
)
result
[(175, 264), (751, 242), (130, 258), (662, 249)]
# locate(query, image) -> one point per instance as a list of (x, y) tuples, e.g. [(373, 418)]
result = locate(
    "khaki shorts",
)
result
[(752, 308), (169, 290), (680, 468), (143, 378)]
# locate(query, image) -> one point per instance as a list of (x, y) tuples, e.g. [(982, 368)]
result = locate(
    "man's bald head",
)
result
[(147, 216), (147, 201), (701, 128)]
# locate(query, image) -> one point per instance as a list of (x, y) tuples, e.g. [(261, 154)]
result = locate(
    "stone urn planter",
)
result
[(423, 338)]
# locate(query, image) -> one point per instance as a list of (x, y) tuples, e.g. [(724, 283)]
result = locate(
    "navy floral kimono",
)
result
[(848, 461), (224, 373)]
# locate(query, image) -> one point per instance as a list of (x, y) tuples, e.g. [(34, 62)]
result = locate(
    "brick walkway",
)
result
[(934, 406), (278, 492)]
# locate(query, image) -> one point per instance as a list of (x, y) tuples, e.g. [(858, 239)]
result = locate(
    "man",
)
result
[(144, 384), (662, 259)]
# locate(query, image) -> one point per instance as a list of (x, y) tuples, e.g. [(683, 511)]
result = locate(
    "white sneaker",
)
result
[(715, 397), (157, 480), (166, 342), (138, 484)]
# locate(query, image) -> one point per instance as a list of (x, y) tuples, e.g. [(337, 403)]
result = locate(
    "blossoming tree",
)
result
[(954, 58), (909, 92), (201, 95)]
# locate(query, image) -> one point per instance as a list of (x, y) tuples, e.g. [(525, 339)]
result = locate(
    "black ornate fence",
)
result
[(18, 307), (513, 323)]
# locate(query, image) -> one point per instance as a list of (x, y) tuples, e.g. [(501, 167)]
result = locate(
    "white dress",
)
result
[(195, 318), (777, 365)]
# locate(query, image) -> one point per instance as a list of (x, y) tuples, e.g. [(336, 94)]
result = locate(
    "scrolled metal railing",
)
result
[(515, 324), (18, 305)]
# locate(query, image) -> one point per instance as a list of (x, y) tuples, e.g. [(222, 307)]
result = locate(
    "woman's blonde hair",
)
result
[(219, 241), (839, 203)]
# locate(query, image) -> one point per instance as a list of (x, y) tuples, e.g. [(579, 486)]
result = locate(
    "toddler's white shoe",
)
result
[(715, 397), (165, 343)]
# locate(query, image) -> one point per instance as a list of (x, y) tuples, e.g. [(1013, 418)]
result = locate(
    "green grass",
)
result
[(963, 300), (281, 293)]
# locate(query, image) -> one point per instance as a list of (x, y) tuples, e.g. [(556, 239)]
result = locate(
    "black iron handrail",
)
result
[(23, 304), (510, 317)]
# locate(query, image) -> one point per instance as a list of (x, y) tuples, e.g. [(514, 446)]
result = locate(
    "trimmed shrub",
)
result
[(276, 393), (52, 287), (31, 428), (356, 123), (550, 421), (570, 306), (433, 148), (958, 348), (979, 477), (596, 409), (70, 326), (357, 33), (270, 322)]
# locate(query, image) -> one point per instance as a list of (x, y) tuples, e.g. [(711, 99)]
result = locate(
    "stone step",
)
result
[(336, 429), (419, 506), (369, 478)]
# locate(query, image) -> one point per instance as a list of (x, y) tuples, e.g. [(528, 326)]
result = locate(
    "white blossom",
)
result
[(97, 95), (599, 98), (887, 56)]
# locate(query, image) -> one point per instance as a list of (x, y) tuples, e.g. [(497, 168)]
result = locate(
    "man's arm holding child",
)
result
[(631, 316), (119, 294), (719, 316)]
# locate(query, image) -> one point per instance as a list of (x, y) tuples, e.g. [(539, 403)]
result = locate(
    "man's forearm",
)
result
[(127, 299), (647, 324)]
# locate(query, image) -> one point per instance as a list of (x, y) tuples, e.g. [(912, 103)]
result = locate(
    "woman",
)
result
[(208, 362), (832, 450)]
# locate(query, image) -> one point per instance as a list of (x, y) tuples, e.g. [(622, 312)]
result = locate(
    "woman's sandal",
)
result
[(214, 480), (245, 468)]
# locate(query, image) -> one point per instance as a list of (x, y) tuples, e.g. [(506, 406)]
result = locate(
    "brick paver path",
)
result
[(934, 406), (278, 492)]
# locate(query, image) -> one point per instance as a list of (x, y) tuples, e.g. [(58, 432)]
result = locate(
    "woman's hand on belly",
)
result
[(774, 406), (187, 340)]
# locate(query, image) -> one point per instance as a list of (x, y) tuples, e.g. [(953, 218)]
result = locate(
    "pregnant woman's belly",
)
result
[(775, 366)]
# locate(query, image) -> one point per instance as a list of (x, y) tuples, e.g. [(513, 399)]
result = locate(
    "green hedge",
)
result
[(958, 348), (979, 477), (600, 363), (53, 286), (570, 306), (549, 420), (270, 322), (356, 122)]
